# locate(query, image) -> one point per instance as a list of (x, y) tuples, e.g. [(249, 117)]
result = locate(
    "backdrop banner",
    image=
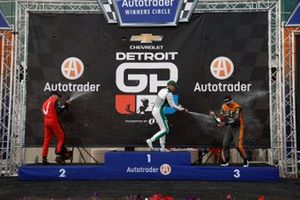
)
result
[(113, 74)]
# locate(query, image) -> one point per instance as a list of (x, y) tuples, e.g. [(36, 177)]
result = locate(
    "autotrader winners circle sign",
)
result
[(144, 13), (122, 70), (133, 12)]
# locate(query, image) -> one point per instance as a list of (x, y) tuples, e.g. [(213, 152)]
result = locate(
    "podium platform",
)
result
[(147, 166)]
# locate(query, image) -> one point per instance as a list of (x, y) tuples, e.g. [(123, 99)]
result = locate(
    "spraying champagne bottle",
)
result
[(216, 118)]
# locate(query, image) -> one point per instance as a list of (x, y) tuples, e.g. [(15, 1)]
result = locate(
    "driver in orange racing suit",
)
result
[(51, 109), (233, 120)]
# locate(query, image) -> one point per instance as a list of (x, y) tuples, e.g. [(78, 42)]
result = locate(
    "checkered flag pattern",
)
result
[(108, 10), (187, 10)]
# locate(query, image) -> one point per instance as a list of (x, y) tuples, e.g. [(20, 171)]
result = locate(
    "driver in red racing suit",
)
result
[(51, 109)]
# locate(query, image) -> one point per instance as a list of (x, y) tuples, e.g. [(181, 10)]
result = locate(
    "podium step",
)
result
[(120, 159), (147, 166)]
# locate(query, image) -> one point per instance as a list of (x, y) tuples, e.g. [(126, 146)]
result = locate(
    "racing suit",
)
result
[(51, 108), (163, 98), (234, 129)]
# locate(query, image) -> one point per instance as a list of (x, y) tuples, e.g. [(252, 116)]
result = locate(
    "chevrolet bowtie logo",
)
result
[(146, 38)]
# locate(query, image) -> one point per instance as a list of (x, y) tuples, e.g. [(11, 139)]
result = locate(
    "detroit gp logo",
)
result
[(136, 78), (144, 80)]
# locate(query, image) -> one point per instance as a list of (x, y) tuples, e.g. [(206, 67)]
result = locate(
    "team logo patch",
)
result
[(222, 68), (72, 68)]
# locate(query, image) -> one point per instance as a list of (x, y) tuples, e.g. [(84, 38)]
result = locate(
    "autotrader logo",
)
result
[(72, 68), (165, 169), (221, 68)]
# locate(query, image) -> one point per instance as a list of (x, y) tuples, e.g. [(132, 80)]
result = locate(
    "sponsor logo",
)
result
[(222, 68), (165, 169), (72, 68), (146, 41), (146, 38), (144, 80), (223, 87), (141, 75), (142, 170), (146, 56), (139, 79), (147, 12)]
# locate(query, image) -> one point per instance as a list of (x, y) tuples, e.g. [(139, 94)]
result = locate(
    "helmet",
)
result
[(173, 83), (227, 99), (57, 93)]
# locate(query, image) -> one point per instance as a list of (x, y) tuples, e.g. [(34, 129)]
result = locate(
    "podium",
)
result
[(147, 166), (147, 158)]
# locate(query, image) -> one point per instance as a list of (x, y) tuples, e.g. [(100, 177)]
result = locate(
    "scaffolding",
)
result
[(289, 51), (6, 96), (17, 90)]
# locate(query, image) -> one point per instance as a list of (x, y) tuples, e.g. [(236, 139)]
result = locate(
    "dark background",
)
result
[(93, 120), (13, 189)]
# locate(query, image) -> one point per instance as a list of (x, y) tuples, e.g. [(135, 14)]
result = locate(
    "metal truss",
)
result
[(277, 152), (290, 133), (234, 5), (6, 104), (276, 90), (65, 6)]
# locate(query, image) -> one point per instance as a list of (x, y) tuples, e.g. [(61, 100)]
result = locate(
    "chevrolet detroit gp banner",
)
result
[(112, 75)]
